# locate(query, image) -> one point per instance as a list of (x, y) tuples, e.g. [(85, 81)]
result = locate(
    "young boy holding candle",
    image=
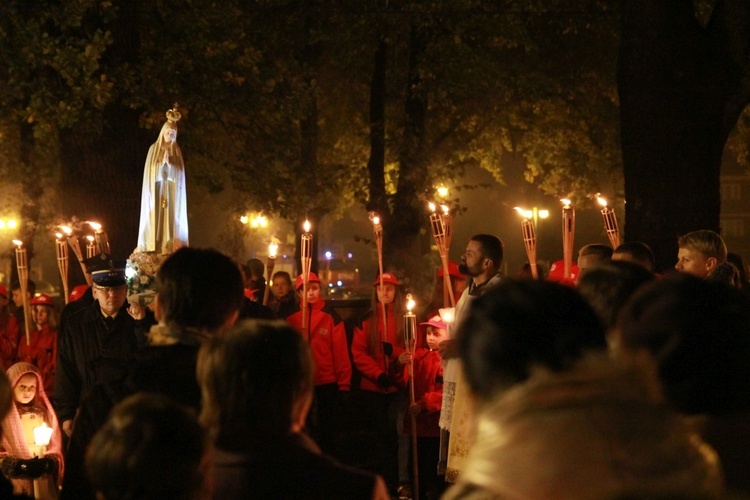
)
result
[(428, 399), (325, 332), (21, 459)]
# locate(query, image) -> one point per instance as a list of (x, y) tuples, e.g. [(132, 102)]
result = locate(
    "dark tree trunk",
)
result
[(677, 83), (404, 241), (376, 162)]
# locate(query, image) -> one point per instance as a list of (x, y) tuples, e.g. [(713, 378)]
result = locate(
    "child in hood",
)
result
[(21, 460)]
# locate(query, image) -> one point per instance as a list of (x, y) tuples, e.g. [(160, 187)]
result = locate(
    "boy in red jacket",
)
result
[(428, 398), (333, 371)]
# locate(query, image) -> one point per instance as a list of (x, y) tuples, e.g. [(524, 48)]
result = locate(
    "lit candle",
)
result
[(61, 252), (22, 264), (529, 240), (568, 229), (610, 223)]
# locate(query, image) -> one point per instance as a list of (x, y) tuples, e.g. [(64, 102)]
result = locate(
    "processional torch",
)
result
[(22, 263), (377, 228), (610, 223), (270, 264), (442, 230), (529, 241), (568, 234), (76, 246), (410, 343), (61, 252), (306, 261)]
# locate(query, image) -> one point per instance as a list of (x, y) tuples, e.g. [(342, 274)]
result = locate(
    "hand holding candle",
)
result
[(610, 223)]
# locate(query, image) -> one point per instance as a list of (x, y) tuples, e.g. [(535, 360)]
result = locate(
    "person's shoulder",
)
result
[(329, 310)]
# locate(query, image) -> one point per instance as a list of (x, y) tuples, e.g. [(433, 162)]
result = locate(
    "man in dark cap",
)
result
[(97, 343)]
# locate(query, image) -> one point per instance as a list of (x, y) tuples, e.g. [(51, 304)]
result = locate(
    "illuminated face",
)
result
[(169, 135), (389, 293), (313, 292), (25, 389), (473, 261), (281, 286), (40, 315), (694, 262), (111, 299), (435, 336)]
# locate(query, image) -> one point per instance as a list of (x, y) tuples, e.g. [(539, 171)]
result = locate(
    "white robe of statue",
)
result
[(164, 227)]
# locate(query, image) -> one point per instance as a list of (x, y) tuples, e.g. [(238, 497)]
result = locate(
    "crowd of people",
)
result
[(614, 381)]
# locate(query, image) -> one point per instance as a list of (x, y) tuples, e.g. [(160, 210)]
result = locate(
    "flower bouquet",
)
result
[(140, 271)]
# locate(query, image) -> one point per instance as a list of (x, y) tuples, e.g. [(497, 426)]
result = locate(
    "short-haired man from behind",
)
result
[(700, 253), (257, 382), (637, 252)]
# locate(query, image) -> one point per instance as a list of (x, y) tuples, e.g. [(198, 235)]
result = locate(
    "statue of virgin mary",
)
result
[(164, 227)]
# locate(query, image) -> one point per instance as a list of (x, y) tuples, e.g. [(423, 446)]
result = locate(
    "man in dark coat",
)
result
[(200, 293), (97, 343)]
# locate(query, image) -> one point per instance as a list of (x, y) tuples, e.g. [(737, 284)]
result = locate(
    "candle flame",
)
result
[(42, 434), (18, 243), (565, 202), (272, 248), (376, 220), (95, 225), (431, 206), (306, 226), (410, 303), (66, 230), (601, 201)]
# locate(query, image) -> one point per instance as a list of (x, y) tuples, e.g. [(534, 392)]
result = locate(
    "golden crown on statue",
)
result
[(173, 115)]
